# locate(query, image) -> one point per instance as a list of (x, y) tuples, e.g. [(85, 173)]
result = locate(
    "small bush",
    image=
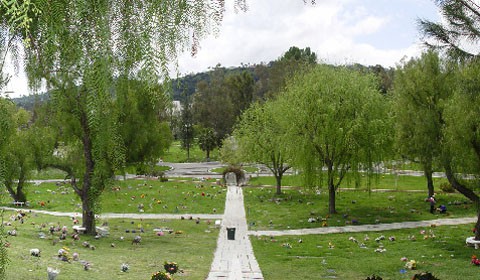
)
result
[(446, 187), (424, 276), (151, 170), (239, 173), (374, 277)]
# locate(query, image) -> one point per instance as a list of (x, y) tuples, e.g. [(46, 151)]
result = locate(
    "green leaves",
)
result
[(457, 31), (337, 119)]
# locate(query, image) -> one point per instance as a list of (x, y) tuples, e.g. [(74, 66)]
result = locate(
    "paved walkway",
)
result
[(365, 228), (234, 259), (124, 215)]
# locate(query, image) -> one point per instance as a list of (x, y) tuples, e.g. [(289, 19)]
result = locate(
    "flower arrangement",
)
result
[(475, 261), (170, 267), (160, 275), (412, 264), (64, 254)]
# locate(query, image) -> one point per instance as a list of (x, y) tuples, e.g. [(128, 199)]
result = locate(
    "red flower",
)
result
[(475, 261)]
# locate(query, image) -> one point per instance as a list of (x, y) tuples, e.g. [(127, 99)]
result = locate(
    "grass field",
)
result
[(111, 251), (177, 154), (445, 255), (380, 181), (295, 207), (279, 257), (125, 197)]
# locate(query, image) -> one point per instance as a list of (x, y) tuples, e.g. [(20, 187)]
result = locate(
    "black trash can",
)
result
[(231, 233)]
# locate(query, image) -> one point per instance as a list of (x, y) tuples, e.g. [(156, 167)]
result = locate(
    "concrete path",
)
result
[(365, 228), (123, 215), (234, 259)]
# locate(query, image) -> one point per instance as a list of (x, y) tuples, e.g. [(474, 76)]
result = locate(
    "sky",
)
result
[(369, 32)]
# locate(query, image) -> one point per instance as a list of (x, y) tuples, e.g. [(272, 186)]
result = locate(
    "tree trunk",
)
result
[(477, 226), (20, 196), (278, 178), (466, 192), (17, 193), (428, 175), (88, 216), (331, 190), (331, 199)]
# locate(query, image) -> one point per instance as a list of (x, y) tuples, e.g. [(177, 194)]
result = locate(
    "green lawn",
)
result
[(144, 259), (310, 259), (48, 173), (445, 255), (177, 154), (126, 196), (380, 181), (294, 207), (247, 169)]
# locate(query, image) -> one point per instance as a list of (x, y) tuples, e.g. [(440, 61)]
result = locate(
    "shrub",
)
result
[(170, 267), (239, 173), (151, 170), (160, 275), (374, 277), (424, 276), (446, 187)]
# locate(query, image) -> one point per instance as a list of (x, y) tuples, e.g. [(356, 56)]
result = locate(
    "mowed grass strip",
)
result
[(377, 181), (191, 245), (177, 154), (301, 208), (133, 196), (440, 250)]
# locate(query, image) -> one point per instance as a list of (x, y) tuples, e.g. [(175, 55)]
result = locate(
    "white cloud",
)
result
[(339, 31)]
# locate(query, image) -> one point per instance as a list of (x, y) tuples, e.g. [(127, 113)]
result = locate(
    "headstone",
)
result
[(231, 179)]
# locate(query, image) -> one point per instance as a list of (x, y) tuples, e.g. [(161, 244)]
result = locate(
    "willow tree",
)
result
[(18, 157), (337, 121), (421, 87), (7, 129), (77, 48), (458, 35), (462, 136), (260, 137)]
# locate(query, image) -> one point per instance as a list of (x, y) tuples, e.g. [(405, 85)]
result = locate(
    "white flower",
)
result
[(35, 252), (124, 267), (52, 273)]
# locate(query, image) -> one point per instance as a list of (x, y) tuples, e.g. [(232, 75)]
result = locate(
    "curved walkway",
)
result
[(122, 215)]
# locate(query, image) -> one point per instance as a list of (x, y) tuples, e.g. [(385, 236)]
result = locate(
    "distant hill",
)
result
[(187, 84), (28, 101)]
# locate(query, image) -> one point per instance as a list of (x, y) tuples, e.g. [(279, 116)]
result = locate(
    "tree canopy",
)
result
[(79, 48), (260, 138), (459, 32), (337, 119), (421, 88)]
